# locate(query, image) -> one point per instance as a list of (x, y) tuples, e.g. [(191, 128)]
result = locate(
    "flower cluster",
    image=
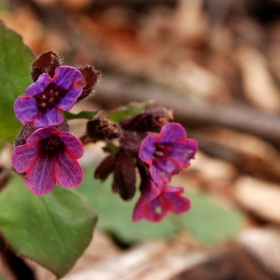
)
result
[(45, 150), (166, 154), (157, 157), (148, 142)]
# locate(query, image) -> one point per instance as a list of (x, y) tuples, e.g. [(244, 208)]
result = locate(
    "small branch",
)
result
[(119, 91)]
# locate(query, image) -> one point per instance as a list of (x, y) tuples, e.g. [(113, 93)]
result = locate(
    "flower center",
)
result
[(51, 146), (159, 152), (50, 97)]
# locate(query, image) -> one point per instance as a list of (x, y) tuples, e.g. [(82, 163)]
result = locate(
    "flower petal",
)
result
[(40, 134), (68, 172), (167, 164), (156, 210), (147, 148), (172, 132), (66, 76), (152, 211), (173, 200), (73, 144), (155, 202), (40, 178), (25, 109), (70, 99), (159, 177), (23, 157), (182, 152), (52, 117), (140, 211), (149, 193), (39, 86)]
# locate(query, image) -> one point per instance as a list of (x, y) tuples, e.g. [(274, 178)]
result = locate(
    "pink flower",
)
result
[(167, 153), (155, 202), (45, 98), (49, 156)]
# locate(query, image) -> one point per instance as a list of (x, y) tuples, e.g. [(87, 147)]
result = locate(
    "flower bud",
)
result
[(100, 128), (90, 78), (150, 120), (45, 63), (105, 168), (25, 132), (124, 176)]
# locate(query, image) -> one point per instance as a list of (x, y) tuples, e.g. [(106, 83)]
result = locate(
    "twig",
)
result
[(119, 91)]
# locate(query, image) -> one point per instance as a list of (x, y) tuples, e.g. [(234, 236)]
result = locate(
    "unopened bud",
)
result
[(100, 128), (90, 78), (124, 176), (45, 63), (105, 168), (25, 132), (150, 120)]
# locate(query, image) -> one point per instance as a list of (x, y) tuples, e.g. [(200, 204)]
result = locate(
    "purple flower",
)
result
[(45, 98), (167, 153), (49, 155), (155, 202)]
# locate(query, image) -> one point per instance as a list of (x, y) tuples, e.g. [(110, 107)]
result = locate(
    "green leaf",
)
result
[(82, 115), (118, 115), (15, 60), (53, 230), (208, 221), (128, 111)]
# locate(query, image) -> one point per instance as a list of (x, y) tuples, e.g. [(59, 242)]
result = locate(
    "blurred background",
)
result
[(217, 64)]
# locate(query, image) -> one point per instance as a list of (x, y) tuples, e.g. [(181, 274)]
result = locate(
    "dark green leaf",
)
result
[(82, 115), (15, 60), (208, 221), (53, 230), (128, 111)]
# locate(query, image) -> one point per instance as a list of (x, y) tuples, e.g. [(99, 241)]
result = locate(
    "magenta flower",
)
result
[(155, 202), (49, 156), (45, 98), (167, 153)]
